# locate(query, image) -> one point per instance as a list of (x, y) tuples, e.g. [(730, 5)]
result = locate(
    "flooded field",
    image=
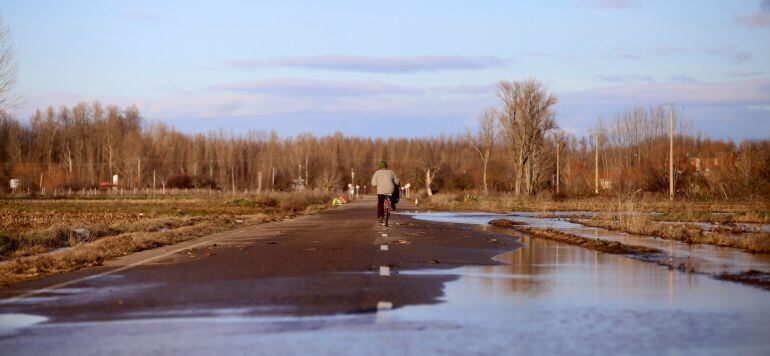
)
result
[(702, 258), (544, 298)]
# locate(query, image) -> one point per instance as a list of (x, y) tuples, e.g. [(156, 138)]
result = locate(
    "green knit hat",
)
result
[(382, 164)]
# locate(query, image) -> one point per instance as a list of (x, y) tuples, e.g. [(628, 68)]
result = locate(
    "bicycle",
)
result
[(386, 210)]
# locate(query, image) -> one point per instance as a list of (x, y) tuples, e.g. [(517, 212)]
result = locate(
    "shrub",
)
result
[(179, 181), (7, 244)]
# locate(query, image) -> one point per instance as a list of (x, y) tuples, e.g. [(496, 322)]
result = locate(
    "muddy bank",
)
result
[(690, 233)]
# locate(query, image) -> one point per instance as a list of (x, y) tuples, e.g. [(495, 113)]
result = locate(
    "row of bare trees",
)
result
[(516, 148)]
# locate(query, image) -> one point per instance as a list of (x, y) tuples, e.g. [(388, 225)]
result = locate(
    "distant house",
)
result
[(705, 166), (298, 184), (605, 184)]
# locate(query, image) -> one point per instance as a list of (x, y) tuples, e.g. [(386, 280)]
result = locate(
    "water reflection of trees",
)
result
[(542, 268)]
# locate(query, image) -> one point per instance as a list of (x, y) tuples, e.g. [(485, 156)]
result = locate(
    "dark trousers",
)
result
[(380, 207)]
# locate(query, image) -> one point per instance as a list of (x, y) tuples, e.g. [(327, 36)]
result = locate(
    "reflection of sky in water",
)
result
[(707, 258)]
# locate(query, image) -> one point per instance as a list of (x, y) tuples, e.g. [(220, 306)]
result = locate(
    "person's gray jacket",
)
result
[(385, 181)]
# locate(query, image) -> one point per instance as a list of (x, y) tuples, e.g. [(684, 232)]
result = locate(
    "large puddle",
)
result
[(548, 298), (704, 258)]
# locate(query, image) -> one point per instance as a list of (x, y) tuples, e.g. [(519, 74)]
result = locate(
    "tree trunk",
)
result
[(428, 180), (486, 189), (519, 176)]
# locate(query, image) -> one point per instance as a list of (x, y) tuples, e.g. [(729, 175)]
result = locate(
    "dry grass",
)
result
[(619, 217), (745, 211), (148, 223), (617, 214), (505, 223)]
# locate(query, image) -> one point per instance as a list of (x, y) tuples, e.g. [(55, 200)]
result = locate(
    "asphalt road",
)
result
[(329, 263)]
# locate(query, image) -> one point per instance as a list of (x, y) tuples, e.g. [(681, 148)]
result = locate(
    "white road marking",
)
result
[(383, 247), (384, 271)]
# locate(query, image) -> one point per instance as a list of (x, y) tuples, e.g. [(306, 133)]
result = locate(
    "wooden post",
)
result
[(259, 182), (232, 176), (307, 175), (153, 181)]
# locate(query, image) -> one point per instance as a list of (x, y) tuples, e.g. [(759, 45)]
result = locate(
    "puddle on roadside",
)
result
[(13, 323), (548, 298), (549, 295), (706, 258)]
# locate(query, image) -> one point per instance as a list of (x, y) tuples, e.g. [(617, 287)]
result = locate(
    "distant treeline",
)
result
[(80, 147)]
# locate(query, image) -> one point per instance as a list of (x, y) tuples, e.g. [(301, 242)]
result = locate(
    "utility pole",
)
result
[(352, 176), (232, 177), (259, 182), (671, 155), (596, 164), (307, 176), (138, 172), (153, 181), (558, 144)]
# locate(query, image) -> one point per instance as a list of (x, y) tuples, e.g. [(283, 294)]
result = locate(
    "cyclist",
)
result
[(387, 184)]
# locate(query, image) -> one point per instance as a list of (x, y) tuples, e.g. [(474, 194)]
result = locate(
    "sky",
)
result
[(394, 68)]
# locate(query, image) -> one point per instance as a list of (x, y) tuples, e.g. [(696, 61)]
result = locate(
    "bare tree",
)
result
[(526, 117), (430, 163), (328, 180), (483, 142), (8, 70)]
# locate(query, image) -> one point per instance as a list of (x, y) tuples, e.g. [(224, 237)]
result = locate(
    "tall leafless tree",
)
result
[(526, 116), (483, 142), (8, 70)]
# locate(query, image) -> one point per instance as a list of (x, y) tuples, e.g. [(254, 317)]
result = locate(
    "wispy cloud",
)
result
[(681, 78), (743, 73), (760, 18), (617, 78), (730, 53), (614, 4), (376, 64), (312, 87), (621, 53), (550, 55), (140, 15), (742, 92)]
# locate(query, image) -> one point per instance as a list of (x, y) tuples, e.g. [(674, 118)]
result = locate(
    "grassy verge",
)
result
[(27, 245), (688, 233), (741, 211)]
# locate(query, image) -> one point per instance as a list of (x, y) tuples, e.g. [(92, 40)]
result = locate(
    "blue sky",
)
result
[(411, 68)]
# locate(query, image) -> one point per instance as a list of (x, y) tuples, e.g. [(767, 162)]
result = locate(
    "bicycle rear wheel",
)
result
[(386, 211)]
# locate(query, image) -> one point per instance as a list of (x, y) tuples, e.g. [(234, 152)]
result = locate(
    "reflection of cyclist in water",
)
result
[(387, 185)]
